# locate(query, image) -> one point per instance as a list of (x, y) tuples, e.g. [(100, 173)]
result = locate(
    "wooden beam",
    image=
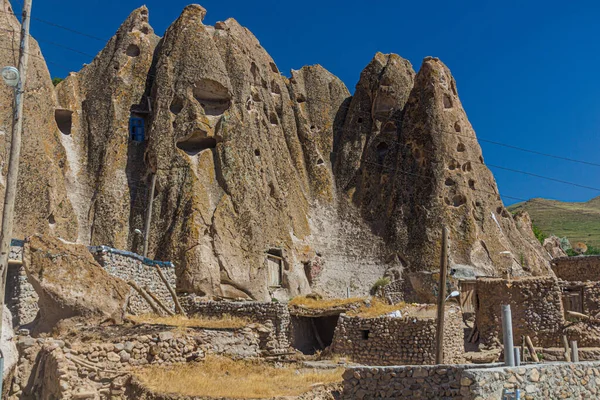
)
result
[(157, 300), (531, 349), (170, 289), (145, 296)]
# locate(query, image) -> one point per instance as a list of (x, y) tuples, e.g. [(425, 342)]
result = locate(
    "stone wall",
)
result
[(56, 368), (130, 266), (536, 308), (398, 341), (275, 316), (581, 268), (20, 298), (471, 382)]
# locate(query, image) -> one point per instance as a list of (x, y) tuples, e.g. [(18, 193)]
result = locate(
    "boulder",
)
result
[(553, 247), (71, 284)]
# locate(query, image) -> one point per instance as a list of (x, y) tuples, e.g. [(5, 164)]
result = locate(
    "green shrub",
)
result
[(541, 236), (56, 81), (381, 282)]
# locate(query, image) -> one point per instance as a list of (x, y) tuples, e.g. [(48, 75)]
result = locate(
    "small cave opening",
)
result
[(382, 151), (274, 67), (273, 118), (359, 120), (257, 152), (51, 219), (176, 105), (300, 98), (312, 334), (64, 120), (447, 101), (196, 142), (133, 50), (457, 127), (212, 96), (320, 161), (275, 89), (460, 148)]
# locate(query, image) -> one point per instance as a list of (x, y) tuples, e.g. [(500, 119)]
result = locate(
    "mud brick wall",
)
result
[(275, 316), (130, 266), (398, 341), (581, 268), (535, 304)]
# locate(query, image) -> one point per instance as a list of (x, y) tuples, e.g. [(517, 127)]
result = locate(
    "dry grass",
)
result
[(379, 308), (223, 377), (307, 302), (179, 321)]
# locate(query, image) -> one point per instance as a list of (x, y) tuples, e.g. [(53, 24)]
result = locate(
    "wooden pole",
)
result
[(566, 347), (149, 215), (523, 348), (531, 349), (145, 296), (157, 301), (15, 154), (178, 307), (574, 351), (439, 355)]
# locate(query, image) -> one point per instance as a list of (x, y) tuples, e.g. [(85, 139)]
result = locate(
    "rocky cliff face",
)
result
[(269, 186)]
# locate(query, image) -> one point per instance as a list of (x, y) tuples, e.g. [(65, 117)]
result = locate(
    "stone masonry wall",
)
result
[(398, 341), (21, 299), (275, 316), (535, 304), (471, 382), (64, 368), (130, 266), (581, 268)]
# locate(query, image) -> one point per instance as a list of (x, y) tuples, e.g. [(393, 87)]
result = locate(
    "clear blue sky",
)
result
[(528, 72)]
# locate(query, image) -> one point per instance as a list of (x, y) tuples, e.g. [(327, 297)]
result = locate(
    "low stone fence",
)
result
[(141, 270), (275, 315), (389, 340), (474, 382), (580, 268), (60, 368)]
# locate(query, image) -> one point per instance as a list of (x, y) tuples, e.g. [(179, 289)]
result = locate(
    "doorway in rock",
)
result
[(312, 334)]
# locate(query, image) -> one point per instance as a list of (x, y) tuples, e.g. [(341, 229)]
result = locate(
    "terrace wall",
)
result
[(471, 382), (274, 316)]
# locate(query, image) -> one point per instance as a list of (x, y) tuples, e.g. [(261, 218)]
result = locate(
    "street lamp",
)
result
[(10, 76)]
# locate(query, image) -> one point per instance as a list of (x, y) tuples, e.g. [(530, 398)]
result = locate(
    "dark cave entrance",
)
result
[(312, 334)]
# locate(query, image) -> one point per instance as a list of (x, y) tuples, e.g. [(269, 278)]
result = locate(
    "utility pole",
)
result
[(149, 215), (439, 351), (15, 153)]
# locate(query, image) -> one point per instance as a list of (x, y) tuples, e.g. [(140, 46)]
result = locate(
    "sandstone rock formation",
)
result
[(42, 204), (71, 284), (267, 186)]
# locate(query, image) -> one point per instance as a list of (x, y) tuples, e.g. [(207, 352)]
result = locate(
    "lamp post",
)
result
[(15, 78)]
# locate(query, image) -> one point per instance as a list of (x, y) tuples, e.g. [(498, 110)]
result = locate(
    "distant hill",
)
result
[(579, 222)]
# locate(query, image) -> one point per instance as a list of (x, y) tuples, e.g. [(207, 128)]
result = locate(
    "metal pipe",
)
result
[(517, 357), (507, 335)]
